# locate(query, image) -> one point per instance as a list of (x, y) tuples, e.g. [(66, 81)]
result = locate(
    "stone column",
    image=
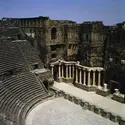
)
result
[(59, 70), (88, 78), (62, 71), (73, 71), (93, 81), (66, 71), (52, 69), (80, 76), (69, 71), (99, 78), (84, 83), (76, 75)]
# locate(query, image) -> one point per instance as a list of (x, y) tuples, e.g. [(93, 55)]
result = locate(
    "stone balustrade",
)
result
[(88, 78)]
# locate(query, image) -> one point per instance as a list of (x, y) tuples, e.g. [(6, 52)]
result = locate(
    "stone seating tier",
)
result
[(18, 94)]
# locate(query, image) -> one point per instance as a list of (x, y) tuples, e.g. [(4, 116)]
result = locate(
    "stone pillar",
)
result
[(93, 81), (84, 83), (80, 76), (76, 75), (52, 69), (62, 71), (117, 91), (88, 78), (59, 70), (105, 87), (69, 71), (99, 78), (66, 71), (73, 71)]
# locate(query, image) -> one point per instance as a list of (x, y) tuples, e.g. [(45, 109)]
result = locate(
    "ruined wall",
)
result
[(97, 46), (91, 51), (62, 37)]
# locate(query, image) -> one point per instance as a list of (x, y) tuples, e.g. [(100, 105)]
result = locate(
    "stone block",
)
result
[(106, 114), (67, 96), (70, 98), (75, 100), (68, 80), (60, 94), (96, 109), (91, 107), (114, 118), (82, 103), (86, 105), (119, 97), (100, 111), (102, 92), (122, 121), (60, 80)]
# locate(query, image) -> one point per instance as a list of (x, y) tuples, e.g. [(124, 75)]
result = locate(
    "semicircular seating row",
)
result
[(18, 94)]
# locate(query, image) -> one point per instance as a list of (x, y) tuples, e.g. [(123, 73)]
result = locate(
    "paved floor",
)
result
[(63, 112), (104, 103)]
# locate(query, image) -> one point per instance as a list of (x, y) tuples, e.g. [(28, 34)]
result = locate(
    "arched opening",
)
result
[(53, 33)]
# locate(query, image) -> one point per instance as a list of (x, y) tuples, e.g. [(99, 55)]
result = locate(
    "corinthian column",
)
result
[(62, 71), (93, 78), (73, 71), (66, 71), (69, 71), (99, 78), (76, 75), (88, 78), (59, 70), (84, 83), (80, 76)]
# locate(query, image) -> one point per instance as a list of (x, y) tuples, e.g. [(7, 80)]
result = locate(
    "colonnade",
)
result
[(65, 70), (86, 76)]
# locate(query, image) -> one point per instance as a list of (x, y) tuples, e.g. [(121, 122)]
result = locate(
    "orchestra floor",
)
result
[(59, 111)]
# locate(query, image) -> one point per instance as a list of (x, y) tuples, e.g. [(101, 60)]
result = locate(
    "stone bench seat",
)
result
[(18, 94), (29, 106), (12, 87)]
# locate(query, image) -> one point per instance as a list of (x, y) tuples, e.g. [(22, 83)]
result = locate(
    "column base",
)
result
[(119, 98), (85, 87), (59, 79), (102, 92), (68, 80)]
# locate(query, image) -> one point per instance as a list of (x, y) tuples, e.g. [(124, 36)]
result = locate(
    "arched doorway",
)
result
[(53, 33)]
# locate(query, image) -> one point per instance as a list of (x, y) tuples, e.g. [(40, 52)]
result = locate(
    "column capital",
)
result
[(89, 70), (59, 63), (93, 70), (84, 69), (52, 65), (79, 67), (99, 70), (66, 64)]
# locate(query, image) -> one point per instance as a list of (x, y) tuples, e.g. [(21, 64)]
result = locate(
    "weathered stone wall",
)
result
[(92, 40)]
